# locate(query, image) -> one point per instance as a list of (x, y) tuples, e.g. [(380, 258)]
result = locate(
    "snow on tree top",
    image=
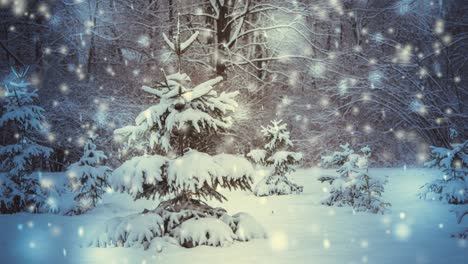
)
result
[(180, 107), (91, 156), (366, 150), (338, 158), (18, 79), (277, 134), (177, 46)]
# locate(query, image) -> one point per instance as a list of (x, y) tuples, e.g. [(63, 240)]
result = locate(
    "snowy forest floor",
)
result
[(301, 230)]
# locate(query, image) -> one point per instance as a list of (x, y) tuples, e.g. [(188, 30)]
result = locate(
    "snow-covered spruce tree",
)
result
[(88, 178), (20, 190), (354, 186), (452, 187), (276, 154), (347, 162), (173, 170)]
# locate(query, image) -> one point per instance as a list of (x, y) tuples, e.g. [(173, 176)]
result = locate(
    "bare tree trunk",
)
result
[(170, 4), (92, 48), (222, 37)]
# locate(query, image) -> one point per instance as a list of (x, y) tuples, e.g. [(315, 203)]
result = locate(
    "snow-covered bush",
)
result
[(19, 189), (219, 232), (452, 187), (204, 231), (354, 187), (275, 154), (244, 226), (136, 230), (88, 178), (172, 168)]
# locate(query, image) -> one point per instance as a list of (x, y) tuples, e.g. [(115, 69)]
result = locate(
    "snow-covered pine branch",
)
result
[(20, 190), (180, 110), (178, 46), (276, 135), (195, 172)]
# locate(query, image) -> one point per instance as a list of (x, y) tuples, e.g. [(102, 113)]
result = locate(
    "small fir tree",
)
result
[(20, 190), (88, 178), (276, 154), (354, 187)]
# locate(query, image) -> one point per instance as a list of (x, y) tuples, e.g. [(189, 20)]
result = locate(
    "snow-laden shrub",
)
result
[(452, 187), (236, 169), (88, 178), (354, 187), (275, 154), (204, 231), (244, 226), (19, 189), (130, 231), (235, 166)]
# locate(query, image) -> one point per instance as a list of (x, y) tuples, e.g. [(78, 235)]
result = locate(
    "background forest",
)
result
[(366, 72)]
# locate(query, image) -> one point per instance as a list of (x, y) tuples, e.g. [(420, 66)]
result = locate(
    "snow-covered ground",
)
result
[(301, 230)]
